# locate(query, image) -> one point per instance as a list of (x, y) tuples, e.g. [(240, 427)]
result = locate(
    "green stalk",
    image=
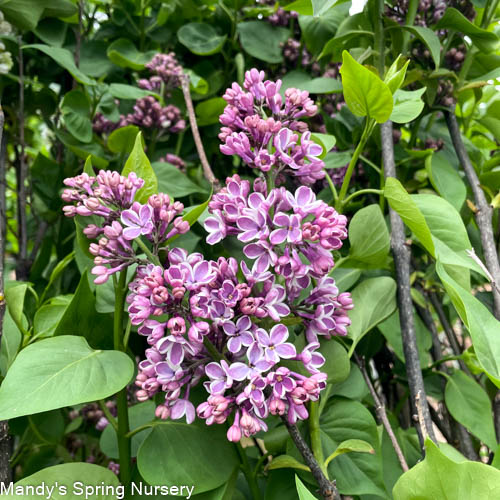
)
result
[(410, 20), (369, 124), (121, 398), (360, 192), (315, 435), (245, 466), (153, 258)]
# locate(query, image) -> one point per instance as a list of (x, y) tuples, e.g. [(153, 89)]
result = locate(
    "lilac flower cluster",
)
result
[(166, 71), (148, 113), (203, 324), (111, 197), (263, 129)]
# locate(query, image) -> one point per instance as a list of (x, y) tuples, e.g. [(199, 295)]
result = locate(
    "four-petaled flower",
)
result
[(274, 344), (137, 220), (239, 334), (290, 229)]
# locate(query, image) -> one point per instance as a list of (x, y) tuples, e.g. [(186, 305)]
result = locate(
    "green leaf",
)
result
[(124, 53), (208, 112), (446, 180), (174, 182), (262, 41), (80, 318), (378, 296), (83, 150), (338, 42), (455, 20), (25, 14), (326, 141), (123, 91), (318, 30), (47, 318), (405, 206), (395, 75), (364, 92), (303, 7), (196, 82), (302, 491), (337, 365), (138, 162), (429, 39), (197, 454), (122, 139), (11, 341), (301, 80), (75, 108), (356, 473), (69, 482), (52, 32), (201, 38), (391, 330), (94, 61), (439, 477), (484, 329), (65, 59), (286, 462), (469, 404), (345, 278), (61, 371), (357, 445), (14, 292), (139, 415), (369, 238), (407, 105)]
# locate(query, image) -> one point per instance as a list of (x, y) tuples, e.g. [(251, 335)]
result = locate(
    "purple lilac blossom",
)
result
[(265, 131)]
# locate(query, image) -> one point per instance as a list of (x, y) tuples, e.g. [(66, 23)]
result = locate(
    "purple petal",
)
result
[(178, 410), (279, 334), (246, 223), (176, 354), (286, 351), (278, 236), (145, 213), (262, 337), (253, 250), (244, 323), (130, 233), (281, 219), (214, 371), (238, 371), (304, 195), (130, 218)]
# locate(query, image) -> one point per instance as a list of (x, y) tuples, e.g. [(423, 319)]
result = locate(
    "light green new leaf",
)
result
[(438, 477), (378, 296), (395, 76), (124, 91), (484, 329), (201, 38), (303, 7), (326, 141), (66, 475), (122, 139), (138, 162), (287, 462), (14, 292), (64, 58), (349, 445), (404, 205), (61, 371), (303, 81), (369, 238), (364, 92), (302, 491), (407, 105), (11, 341), (469, 404)]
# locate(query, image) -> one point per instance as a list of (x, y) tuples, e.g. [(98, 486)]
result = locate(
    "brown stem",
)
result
[(78, 35), (328, 489), (5, 440), (484, 209), (381, 413), (401, 255), (207, 170), (448, 330), (22, 268)]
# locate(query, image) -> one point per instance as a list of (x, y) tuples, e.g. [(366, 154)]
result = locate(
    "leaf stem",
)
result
[(333, 189), (153, 258), (361, 192), (369, 124), (250, 477), (315, 435)]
